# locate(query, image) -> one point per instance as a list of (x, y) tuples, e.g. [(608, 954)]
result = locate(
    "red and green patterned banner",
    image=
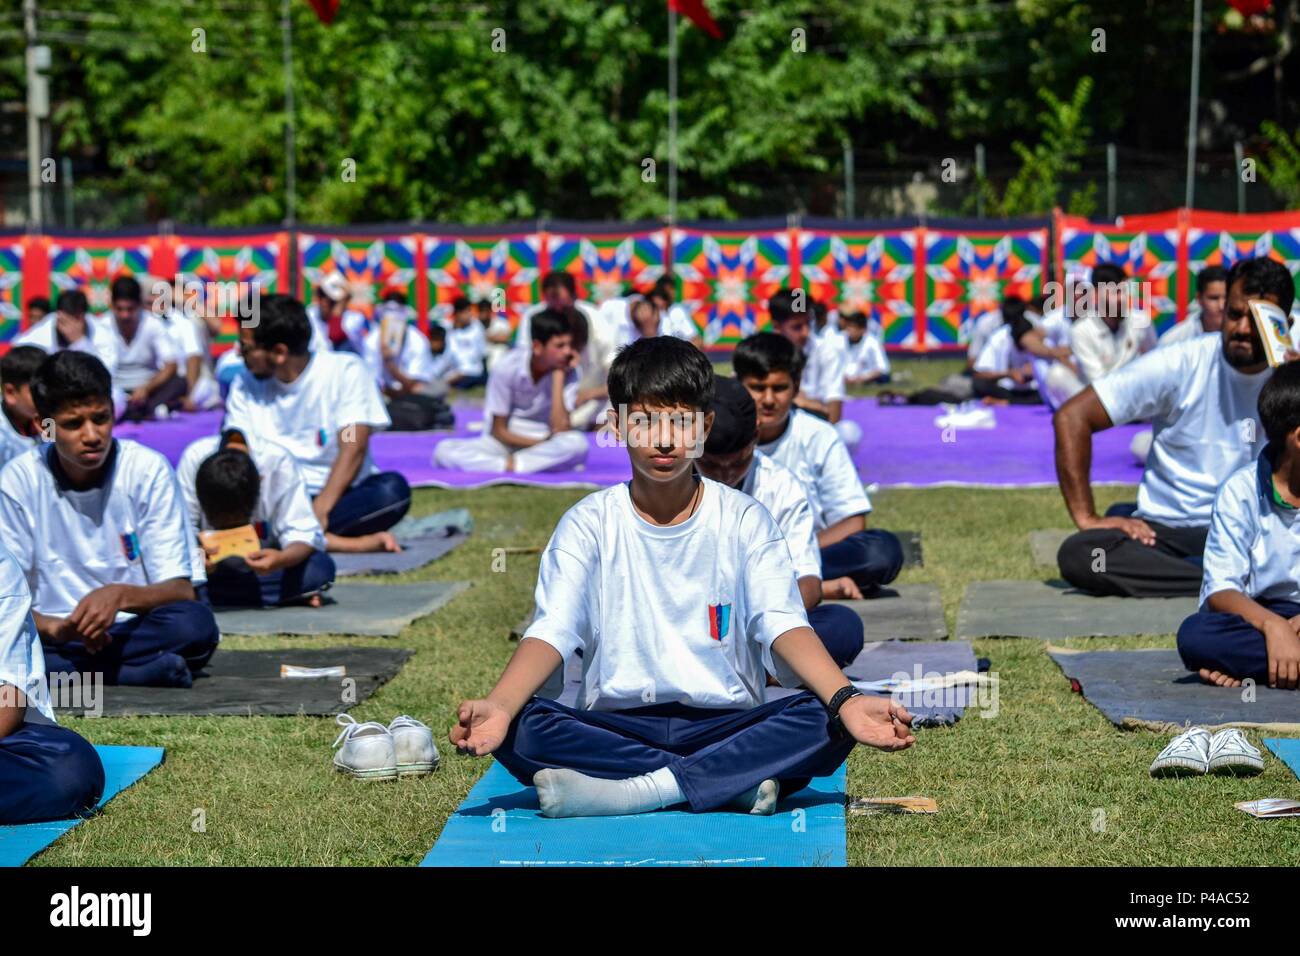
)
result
[(607, 266), (12, 255), (230, 269), (724, 279), (1215, 239), (1147, 248), (91, 265), (371, 265), (969, 273), (504, 270), (865, 272)]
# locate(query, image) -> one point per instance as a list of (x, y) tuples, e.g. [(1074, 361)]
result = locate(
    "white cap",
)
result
[(335, 287)]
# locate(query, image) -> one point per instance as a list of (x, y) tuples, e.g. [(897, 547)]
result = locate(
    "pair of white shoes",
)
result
[(371, 751), (1195, 751)]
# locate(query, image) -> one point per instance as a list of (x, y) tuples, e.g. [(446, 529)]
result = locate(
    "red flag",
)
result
[(1249, 8), (325, 9), (695, 11)]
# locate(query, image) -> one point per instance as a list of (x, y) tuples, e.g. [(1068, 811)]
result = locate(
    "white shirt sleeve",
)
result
[(417, 357), (836, 359), (164, 530), (22, 661), (496, 399), (801, 536), (994, 356), (1227, 548), (185, 337), (839, 487), (289, 506), (359, 398), (564, 583), (1087, 352), (1145, 388), (16, 527), (771, 590)]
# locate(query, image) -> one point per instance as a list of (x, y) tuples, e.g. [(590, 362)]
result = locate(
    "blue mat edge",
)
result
[(124, 766), (496, 777), (1287, 750)]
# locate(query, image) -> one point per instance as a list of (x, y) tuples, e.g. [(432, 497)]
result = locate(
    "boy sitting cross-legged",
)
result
[(1249, 622), (771, 368), (98, 526), (230, 481), (680, 593)]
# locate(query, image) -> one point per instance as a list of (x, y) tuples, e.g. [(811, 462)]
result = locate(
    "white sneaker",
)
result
[(413, 742), (1186, 754), (1231, 752), (368, 752)]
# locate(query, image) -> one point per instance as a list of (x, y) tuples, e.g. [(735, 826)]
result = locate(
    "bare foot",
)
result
[(314, 601), (1218, 678)]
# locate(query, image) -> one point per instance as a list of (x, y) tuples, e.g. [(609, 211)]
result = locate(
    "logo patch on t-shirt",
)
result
[(719, 620), (131, 545), (322, 438)]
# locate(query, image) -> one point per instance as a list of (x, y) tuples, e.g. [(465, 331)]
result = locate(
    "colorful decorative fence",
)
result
[(922, 283)]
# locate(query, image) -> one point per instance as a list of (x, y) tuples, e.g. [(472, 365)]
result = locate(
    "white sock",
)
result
[(760, 800), (568, 793)]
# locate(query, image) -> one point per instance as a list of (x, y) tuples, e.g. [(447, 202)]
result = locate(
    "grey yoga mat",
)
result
[(1053, 610), (902, 612), (375, 610)]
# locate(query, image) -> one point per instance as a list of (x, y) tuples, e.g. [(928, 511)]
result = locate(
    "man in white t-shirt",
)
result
[(70, 327), (680, 594), (1201, 396), (20, 429), (1111, 334), (231, 481), (978, 332), (147, 359), (675, 320), (731, 456), (402, 360), (559, 293), (321, 406), (98, 526), (868, 362), (334, 325), (1211, 297), (47, 772), (530, 394), (825, 363), (467, 346), (1004, 372), (191, 339), (768, 365)]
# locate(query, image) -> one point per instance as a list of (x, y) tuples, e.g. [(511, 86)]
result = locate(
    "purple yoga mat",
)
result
[(901, 447)]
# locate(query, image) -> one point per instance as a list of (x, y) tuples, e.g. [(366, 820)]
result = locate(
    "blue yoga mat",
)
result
[(123, 766), (1287, 750), (499, 824)]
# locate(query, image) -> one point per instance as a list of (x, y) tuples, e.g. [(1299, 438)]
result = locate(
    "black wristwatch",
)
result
[(837, 701)]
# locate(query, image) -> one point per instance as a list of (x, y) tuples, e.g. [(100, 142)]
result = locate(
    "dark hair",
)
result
[(821, 311), (67, 378), (782, 305), (125, 289), (1264, 276), (1279, 402), (735, 418), (38, 302), (461, 303), (282, 320), (666, 285), (558, 278), (1210, 274), (437, 332), (1013, 309), (857, 319), (549, 323), (395, 295), (1108, 272), (227, 485), (20, 364), (760, 355), (661, 371), (72, 302)]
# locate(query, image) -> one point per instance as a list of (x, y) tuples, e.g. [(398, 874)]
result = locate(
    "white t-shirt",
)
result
[(1189, 328), (22, 661), (467, 347), (777, 489), (524, 334), (415, 359), (12, 443), (1205, 425), (99, 339), (866, 357), (140, 359), (512, 393), (678, 323), (812, 450), (682, 614), (335, 390), (132, 529), (979, 331), (1098, 351), (1253, 545), (1001, 354), (283, 506), (320, 339), (826, 363)]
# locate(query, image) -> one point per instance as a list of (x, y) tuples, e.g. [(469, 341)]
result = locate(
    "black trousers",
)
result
[(984, 388), (1107, 561)]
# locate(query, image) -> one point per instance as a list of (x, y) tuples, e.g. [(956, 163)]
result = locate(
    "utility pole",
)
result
[(38, 108), (672, 116), (1190, 194)]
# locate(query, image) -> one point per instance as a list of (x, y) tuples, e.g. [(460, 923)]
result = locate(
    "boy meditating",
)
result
[(322, 407), (680, 593), (47, 772), (232, 481), (98, 526), (1249, 622), (770, 367), (530, 395)]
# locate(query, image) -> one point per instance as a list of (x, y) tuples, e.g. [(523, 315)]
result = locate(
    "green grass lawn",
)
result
[(1048, 781)]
